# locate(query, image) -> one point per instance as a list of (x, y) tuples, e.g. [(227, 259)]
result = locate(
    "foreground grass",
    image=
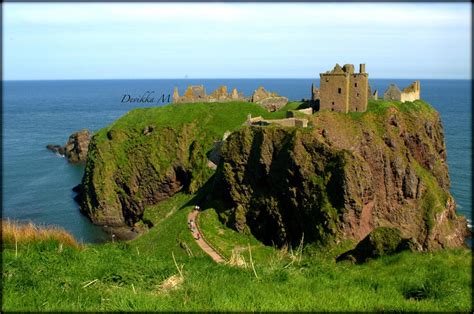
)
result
[(24, 233), (46, 276)]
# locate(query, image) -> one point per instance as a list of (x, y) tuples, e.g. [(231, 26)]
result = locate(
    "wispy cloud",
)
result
[(181, 37)]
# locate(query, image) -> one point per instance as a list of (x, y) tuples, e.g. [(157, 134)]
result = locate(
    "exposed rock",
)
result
[(341, 182), (148, 129), (56, 148), (381, 241), (116, 195), (336, 181), (76, 147)]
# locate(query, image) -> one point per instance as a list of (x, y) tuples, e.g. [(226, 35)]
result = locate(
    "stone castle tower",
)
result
[(343, 90)]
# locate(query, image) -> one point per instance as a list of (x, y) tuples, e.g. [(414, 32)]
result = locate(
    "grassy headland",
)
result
[(164, 269)]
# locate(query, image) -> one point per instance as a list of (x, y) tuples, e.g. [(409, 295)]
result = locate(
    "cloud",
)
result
[(255, 13), (256, 36)]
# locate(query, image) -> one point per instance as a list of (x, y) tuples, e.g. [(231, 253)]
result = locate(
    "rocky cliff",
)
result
[(150, 154), (341, 179)]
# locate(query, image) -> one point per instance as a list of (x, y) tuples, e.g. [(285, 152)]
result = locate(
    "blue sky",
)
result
[(234, 40)]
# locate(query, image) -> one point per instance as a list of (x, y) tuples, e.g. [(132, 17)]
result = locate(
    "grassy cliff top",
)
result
[(48, 275)]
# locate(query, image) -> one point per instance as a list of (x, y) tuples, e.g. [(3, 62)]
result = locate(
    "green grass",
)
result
[(49, 276), (225, 240), (127, 276), (182, 137)]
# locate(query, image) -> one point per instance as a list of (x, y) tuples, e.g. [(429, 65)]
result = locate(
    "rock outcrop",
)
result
[(150, 154), (115, 193), (342, 179), (76, 147), (381, 241), (58, 149)]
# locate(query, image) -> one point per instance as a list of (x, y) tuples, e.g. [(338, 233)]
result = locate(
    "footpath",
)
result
[(197, 235)]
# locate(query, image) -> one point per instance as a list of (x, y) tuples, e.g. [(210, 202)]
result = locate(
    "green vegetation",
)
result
[(125, 165), (137, 275), (164, 269)]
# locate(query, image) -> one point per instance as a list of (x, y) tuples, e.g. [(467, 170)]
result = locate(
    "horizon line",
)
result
[(220, 78)]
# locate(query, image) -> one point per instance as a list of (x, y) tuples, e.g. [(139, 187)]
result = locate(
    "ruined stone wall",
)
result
[(358, 92), (288, 122), (392, 93), (411, 93), (334, 92)]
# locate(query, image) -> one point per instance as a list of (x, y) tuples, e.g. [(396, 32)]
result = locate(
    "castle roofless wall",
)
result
[(343, 90), (334, 92), (358, 93), (411, 93)]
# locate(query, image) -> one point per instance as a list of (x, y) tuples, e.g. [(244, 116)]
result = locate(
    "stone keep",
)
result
[(343, 90)]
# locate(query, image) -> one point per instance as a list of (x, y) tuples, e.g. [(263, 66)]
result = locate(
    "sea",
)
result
[(37, 183)]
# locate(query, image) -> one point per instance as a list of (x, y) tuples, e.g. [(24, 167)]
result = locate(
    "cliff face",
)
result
[(150, 154), (342, 178)]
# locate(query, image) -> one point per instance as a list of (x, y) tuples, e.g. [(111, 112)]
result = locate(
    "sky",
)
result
[(53, 41)]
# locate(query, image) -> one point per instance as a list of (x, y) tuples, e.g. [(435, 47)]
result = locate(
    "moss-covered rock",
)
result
[(380, 242), (339, 179), (150, 154), (342, 178)]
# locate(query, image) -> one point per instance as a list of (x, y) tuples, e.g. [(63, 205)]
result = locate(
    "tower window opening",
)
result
[(339, 90), (355, 85)]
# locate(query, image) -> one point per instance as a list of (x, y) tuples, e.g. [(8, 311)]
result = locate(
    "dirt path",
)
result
[(200, 241)]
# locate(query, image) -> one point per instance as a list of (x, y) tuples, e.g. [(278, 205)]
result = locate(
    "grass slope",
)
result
[(48, 275)]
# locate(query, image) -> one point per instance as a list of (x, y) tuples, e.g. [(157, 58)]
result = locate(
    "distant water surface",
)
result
[(37, 184)]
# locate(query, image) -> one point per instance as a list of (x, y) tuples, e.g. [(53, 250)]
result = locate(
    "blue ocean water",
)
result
[(37, 184)]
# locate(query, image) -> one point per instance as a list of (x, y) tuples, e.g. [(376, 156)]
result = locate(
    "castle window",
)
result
[(358, 94), (339, 90), (333, 103), (355, 85), (357, 109)]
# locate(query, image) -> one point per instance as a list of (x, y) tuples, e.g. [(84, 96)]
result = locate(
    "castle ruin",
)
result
[(343, 90), (197, 93), (194, 94), (410, 93), (288, 122)]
